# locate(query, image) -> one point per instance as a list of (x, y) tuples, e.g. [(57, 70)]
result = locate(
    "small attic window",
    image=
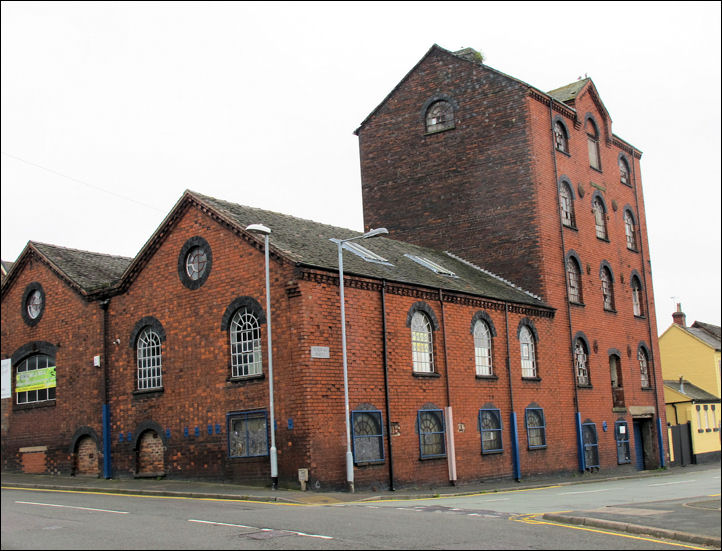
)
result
[(363, 252), (439, 117), (431, 265)]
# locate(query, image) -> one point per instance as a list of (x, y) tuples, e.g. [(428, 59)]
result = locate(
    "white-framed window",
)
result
[(629, 231), (149, 360), (574, 273), (607, 289), (196, 262), (246, 356), (35, 379), (600, 218), (482, 348), (439, 116), (643, 367), (422, 344), (566, 205), (581, 362), (528, 356)]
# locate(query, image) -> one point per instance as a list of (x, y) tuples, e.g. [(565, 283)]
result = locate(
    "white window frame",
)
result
[(528, 356), (245, 337), (422, 343), (482, 349), (149, 356)]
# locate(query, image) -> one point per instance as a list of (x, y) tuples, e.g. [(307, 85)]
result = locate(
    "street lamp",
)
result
[(340, 243), (263, 230)]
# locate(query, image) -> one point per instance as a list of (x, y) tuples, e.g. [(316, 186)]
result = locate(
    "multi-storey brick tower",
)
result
[(535, 187)]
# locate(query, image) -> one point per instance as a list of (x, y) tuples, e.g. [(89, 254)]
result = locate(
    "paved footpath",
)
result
[(695, 520)]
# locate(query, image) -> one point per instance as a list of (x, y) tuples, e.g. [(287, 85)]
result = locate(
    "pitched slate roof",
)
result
[(707, 333), (713, 330), (693, 392), (89, 271), (309, 243), (569, 92)]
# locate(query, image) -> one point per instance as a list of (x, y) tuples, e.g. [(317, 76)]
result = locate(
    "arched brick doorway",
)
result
[(150, 454), (86, 457)]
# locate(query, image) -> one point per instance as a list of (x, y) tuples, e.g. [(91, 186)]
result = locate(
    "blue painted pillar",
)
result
[(580, 444), (107, 464), (515, 447), (660, 442)]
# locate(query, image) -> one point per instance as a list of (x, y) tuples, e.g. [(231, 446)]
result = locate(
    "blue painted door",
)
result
[(638, 446)]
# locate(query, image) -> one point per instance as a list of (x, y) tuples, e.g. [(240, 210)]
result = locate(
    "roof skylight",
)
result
[(431, 265), (363, 252)]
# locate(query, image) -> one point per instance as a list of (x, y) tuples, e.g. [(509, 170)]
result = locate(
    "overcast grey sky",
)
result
[(111, 110)]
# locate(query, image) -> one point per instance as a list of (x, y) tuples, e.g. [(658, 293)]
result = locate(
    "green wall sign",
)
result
[(35, 380)]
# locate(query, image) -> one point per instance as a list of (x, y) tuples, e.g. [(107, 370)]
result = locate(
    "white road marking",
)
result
[(584, 492), (73, 507), (262, 529), (668, 483), (500, 499)]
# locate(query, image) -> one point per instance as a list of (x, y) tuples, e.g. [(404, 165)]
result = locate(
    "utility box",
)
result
[(303, 478)]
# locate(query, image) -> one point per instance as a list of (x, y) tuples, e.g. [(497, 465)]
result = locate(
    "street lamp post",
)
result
[(263, 230), (340, 243)]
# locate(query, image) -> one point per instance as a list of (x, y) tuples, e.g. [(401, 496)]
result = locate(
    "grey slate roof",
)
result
[(308, 243), (707, 333), (693, 392), (568, 92), (89, 271), (713, 330)]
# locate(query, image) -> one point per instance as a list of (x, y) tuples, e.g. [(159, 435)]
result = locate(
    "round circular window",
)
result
[(194, 262), (33, 303)]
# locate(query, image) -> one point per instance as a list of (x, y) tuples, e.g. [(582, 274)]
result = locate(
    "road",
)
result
[(45, 519)]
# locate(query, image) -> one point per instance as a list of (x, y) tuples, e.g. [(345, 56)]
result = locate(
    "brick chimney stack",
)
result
[(679, 317)]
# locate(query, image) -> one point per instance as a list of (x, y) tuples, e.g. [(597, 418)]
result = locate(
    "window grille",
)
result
[(149, 360), (607, 289), (247, 434), (196, 262), (35, 371), (643, 367), (581, 362), (528, 359), (591, 445), (560, 137), (566, 205), (621, 434), (422, 347), (440, 116), (246, 357), (535, 428), (482, 348), (490, 427), (431, 433), (600, 218), (575, 281), (368, 436), (629, 231)]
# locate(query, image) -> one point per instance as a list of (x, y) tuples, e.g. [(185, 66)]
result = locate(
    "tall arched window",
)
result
[(246, 357), (624, 172), (574, 273), (482, 348), (566, 205), (629, 231), (528, 356), (607, 288), (439, 116), (600, 217), (637, 296), (35, 379), (581, 362), (561, 140), (643, 367), (422, 345), (593, 144), (148, 348)]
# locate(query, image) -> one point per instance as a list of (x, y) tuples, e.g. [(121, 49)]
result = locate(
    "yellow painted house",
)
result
[(690, 359)]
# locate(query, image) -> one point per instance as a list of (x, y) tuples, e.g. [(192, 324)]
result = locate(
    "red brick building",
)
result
[(159, 365)]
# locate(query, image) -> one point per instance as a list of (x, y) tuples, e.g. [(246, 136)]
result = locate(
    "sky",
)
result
[(111, 110)]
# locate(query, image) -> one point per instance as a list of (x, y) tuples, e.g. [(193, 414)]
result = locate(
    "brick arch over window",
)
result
[(426, 309), (623, 164), (81, 433), (605, 264), (249, 303), (434, 99), (32, 348), (561, 142), (147, 321), (583, 337), (146, 426), (483, 316), (529, 324)]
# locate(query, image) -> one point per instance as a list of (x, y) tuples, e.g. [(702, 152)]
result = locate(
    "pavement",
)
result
[(695, 520)]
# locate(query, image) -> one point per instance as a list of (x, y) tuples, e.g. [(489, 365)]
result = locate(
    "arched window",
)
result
[(148, 349), (566, 205), (528, 357), (368, 436), (593, 144), (574, 273), (439, 116), (637, 296), (600, 218), (246, 357), (535, 427), (561, 139), (581, 362), (643, 367), (422, 346), (490, 428), (432, 433), (629, 231), (624, 172), (482, 348), (35, 379), (615, 374), (607, 288)]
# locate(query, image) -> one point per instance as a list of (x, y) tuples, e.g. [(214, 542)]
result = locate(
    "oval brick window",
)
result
[(33, 303), (194, 262)]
